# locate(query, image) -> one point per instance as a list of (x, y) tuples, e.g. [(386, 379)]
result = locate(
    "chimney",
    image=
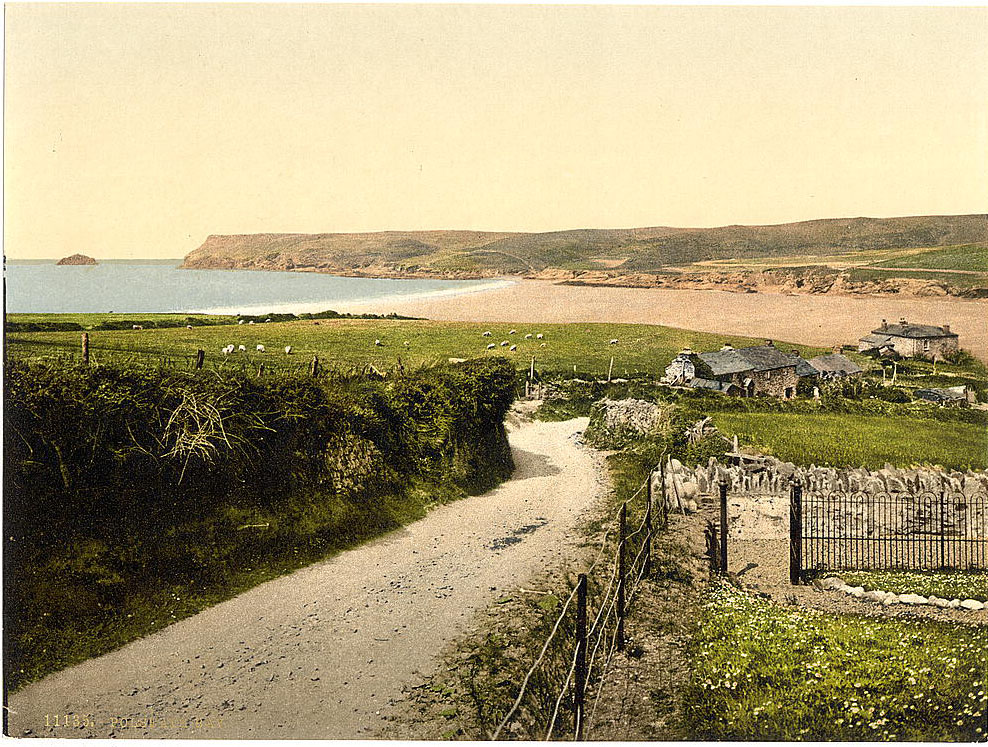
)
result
[(902, 320), (946, 328), (727, 346), (885, 324), (837, 348), (794, 353), (768, 343)]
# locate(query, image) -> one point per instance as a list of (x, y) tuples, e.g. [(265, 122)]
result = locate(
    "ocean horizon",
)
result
[(35, 286)]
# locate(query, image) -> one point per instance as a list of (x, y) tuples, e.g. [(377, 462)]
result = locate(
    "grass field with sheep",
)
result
[(637, 348)]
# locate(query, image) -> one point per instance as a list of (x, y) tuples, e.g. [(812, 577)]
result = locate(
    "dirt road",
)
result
[(318, 653)]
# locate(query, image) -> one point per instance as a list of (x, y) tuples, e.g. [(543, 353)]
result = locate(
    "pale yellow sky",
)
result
[(137, 130)]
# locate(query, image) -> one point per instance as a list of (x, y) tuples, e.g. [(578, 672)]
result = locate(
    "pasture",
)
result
[(347, 343), (846, 440)]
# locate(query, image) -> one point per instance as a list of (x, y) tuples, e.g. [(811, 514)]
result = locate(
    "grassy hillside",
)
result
[(640, 348), (967, 257), (631, 250)]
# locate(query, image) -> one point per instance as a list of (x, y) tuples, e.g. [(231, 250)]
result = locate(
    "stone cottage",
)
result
[(834, 366), (763, 369), (909, 340)]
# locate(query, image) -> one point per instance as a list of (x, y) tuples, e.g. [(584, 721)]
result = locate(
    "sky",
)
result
[(137, 130)]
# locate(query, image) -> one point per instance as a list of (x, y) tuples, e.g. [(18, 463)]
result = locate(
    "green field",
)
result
[(640, 348), (972, 257), (843, 440)]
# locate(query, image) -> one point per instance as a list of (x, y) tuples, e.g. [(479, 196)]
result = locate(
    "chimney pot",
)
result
[(885, 324), (946, 328)]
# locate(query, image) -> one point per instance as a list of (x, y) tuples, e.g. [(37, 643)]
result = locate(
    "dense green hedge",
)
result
[(119, 483)]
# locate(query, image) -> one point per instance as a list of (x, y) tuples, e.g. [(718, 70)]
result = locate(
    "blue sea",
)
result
[(153, 286)]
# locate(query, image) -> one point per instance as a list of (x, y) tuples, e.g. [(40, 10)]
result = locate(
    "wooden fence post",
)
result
[(314, 366), (723, 526), (795, 533), (85, 348), (662, 492), (648, 527), (200, 359), (580, 691), (622, 531), (610, 368), (260, 369)]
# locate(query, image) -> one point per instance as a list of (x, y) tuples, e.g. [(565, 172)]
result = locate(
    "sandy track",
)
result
[(317, 653), (822, 320)]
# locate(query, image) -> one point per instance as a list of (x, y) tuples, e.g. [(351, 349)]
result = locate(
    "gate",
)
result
[(910, 530)]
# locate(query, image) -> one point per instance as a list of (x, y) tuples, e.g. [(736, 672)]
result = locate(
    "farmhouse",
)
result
[(909, 340), (763, 369)]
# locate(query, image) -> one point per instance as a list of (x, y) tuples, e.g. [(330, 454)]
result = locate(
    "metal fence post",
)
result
[(795, 533), (621, 572), (943, 529), (723, 527), (579, 694)]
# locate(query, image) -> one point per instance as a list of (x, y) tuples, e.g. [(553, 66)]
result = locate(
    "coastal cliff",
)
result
[(639, 257)]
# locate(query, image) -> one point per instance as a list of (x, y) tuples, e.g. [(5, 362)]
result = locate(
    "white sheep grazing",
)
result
[(137, 326), (542, 345), (613, 342), (486, 334), (267, 320), (491, 346), (242, 348), (288, 349), (227, 350), (251, 321), (513, 332), (528, 336), (260, 348), (241, 321), (504, 343), (379, 343), (188, 326), (538, 336), (405, 343), (513, 348)]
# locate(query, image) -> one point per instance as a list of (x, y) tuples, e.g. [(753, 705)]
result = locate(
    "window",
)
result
[(926, 346)]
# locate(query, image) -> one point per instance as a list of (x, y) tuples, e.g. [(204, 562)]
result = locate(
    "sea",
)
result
[(158, 286)]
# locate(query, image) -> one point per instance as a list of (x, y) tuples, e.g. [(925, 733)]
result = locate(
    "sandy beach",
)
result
[(807, 319)]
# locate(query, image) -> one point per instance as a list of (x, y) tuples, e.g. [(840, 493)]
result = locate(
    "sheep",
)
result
[(542, 345), (251, 321), (379, 343), (242, 348), (513, 332), (260, 348), (504, 343), (241, 321), (491, 346), (528, 336), (267, 320), (513, 348), (539, 336), (288, 349), (188, 326), (227, 350), (137, 326), (406, 343), (486, 334), (613, 342)]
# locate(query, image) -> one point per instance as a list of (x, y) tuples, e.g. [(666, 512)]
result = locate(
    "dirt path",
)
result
[(318, 653)]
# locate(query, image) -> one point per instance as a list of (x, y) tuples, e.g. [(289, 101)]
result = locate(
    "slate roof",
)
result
[(915, 331), (834, 363), (719, 386), (951, 394), (759, 358), (876, 339), (803, 368)]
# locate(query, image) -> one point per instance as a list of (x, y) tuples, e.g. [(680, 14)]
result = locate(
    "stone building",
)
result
[(909, 340), (834, 366), (763, 369)]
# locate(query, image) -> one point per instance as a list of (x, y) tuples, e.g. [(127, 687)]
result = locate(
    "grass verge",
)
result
[(766, 672)]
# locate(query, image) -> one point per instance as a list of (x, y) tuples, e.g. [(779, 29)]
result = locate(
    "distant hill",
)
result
[(76, 259), (634, 250)]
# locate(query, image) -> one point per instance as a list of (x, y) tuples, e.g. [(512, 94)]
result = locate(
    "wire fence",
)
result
[(589, 629)]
